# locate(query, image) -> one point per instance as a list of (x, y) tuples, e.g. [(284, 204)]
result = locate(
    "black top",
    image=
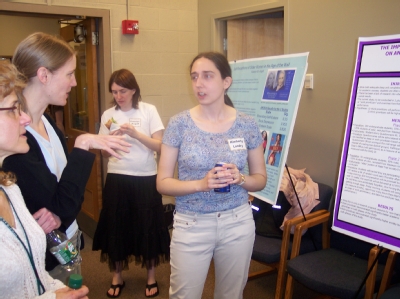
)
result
[(40, 188)]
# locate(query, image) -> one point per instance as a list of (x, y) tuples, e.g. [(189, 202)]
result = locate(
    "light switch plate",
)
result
[(309, 81)]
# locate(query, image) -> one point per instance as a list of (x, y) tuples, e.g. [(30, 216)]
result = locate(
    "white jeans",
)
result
[(227, 237), (62, 274)]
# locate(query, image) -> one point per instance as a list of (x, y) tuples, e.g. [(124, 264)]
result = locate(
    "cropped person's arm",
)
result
[(257, 178), (152, 142), (109, 144)]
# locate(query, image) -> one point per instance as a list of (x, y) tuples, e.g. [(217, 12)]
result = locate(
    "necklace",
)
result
[(28, 250)]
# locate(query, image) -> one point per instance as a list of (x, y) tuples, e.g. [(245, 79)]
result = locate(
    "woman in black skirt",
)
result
[(131, 222)]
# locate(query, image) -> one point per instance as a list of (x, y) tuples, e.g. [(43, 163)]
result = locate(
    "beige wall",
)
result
[(159, 56), (173, 31), (14, 29), (329, 31)]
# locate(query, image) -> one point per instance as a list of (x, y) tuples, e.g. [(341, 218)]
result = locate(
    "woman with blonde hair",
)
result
[(22, 240), (57, 177)]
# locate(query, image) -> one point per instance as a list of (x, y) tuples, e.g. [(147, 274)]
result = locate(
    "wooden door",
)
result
[(253, 38), (81, 114)]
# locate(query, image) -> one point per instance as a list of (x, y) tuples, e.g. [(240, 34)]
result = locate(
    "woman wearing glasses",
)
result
[(52, 180), (22, 240)]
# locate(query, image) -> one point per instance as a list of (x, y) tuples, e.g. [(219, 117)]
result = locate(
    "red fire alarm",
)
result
[(130, 27)]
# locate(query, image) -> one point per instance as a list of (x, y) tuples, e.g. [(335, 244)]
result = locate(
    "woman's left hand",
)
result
[(129, 130)]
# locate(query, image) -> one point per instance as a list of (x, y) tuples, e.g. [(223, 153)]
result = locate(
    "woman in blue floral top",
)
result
[(208, 224)]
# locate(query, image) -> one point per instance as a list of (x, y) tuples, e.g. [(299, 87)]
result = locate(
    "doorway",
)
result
[(259, 34), (97, 69), (82, 114)]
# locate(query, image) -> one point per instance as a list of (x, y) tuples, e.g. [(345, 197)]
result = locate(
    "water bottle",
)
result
[(63, 249), (75, 281)]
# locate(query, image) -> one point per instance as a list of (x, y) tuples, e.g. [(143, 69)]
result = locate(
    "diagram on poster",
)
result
[(269, 89), (367, 202)]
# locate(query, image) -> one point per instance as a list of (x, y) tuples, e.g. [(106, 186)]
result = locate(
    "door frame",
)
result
[(103, 62), (54, 11), (219, 26)]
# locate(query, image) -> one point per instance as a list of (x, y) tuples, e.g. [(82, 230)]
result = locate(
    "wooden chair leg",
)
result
[(289, 287), (370, 284), (256, 274), (387, 274), (280, 281)]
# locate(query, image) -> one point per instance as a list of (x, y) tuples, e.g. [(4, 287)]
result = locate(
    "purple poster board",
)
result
[(367, 203)]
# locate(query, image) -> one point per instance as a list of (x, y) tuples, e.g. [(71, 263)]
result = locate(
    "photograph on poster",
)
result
[(264, 135), (270, 84), (275, 149), (278, 85)]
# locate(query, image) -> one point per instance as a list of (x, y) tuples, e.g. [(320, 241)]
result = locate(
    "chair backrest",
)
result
[(269, 219), (325, 199)]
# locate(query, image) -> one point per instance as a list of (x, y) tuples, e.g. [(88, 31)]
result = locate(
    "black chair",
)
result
[(272, 246), (391, 275), (391, 293), (337, 270)]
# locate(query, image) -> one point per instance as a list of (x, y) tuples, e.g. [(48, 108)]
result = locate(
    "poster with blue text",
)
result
[(269, 89), (367, 203)]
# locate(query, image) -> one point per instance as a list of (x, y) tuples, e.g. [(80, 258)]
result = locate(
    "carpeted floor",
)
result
[(97, 278)]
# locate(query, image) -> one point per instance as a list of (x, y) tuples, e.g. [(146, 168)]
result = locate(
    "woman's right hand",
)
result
[(67, 293), (105, 143), (47, 220)]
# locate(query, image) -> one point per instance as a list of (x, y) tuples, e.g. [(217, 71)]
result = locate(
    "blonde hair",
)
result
[(10, 80), (41, 50), (7, 178)]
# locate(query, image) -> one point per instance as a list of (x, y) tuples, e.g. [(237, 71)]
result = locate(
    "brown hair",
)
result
[(125, 79), (222, 64), (10, 80), (41, 50)]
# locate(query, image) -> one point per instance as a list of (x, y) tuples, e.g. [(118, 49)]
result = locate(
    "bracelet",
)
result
[(243, 179)]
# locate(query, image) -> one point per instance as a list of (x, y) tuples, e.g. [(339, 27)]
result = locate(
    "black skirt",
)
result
[(131, 223)]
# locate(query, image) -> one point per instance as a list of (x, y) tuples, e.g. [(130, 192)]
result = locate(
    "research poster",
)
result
[(269, 89), (368, 191)]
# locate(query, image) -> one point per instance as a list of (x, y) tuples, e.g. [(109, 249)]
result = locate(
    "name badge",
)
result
[(136, 122), (237, 144)]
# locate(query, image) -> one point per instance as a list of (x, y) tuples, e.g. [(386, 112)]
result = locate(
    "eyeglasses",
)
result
[(17, 106)]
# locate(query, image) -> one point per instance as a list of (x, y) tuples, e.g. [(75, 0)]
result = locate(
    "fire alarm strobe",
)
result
[(130, 27)]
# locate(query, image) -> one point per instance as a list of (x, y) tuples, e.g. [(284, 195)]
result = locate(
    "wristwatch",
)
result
[(243, 179)]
